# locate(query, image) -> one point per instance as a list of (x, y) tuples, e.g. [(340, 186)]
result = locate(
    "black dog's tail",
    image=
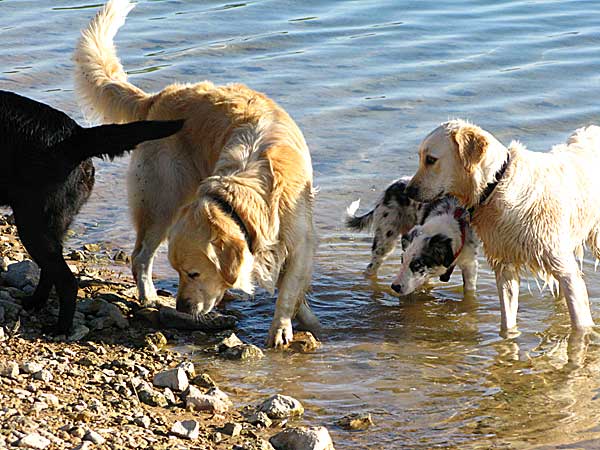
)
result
[(109, 141), (355, 222)]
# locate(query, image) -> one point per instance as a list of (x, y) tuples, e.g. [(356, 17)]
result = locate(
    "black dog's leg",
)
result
[(42, 291)]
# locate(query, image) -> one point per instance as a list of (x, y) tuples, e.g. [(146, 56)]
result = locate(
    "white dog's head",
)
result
[(429, 251), (456, 158), (209, 251)]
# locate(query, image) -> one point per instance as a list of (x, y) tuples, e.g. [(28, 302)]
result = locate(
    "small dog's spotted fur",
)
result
[(444, 239), (393, 215), (396, 215)]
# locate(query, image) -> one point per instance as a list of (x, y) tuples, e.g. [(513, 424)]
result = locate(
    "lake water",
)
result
[(366, 81)]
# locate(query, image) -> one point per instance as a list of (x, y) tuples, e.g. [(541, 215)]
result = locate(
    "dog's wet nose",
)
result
[(412, 192), (183, 305), (397, 287)]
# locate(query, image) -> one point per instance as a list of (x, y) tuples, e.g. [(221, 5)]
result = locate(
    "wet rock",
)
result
[(121, 256), (21, 274), (186, 429), (34, 440), (204, 380), (155, 341), (92, 248), (94, 437), (232, 429), (244, 352), (43, 375), (230, 341), (212, 321), (173, 378), (9, 369), (281, 407), (214, 400), (79, 332), (260, 419), (304, 342), (355, 421), (302, 438)]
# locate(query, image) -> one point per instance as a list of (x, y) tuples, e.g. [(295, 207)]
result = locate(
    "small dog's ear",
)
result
[(440, 247), (471, 145)]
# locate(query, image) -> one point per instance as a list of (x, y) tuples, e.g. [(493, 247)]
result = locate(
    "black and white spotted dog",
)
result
[(393, 215), (444, 239)]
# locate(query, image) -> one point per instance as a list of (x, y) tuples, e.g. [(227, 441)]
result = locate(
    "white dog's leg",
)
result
[(293, 284), (507, 282), (573, 288), (469, 273)]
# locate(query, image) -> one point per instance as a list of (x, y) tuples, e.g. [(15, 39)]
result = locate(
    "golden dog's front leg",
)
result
[(507, 282)]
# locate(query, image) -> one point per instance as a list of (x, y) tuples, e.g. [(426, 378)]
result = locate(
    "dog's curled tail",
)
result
[(101, 84), (355, 222), (109, 141)]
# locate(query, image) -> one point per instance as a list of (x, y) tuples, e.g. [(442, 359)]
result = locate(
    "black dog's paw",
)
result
[(33, 303), (56, 330)]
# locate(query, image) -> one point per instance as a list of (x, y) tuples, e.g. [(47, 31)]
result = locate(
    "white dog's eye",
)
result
[(430, 160), (193, 275)]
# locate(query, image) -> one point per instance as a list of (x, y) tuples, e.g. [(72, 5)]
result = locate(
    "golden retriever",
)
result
[(533, 211), (232, 191)]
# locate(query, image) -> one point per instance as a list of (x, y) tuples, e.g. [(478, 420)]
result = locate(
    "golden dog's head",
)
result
[(209, 251), (456, 158)]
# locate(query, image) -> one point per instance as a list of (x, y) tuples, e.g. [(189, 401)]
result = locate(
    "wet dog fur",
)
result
[(541, 213), (47, 176), (233, 192)]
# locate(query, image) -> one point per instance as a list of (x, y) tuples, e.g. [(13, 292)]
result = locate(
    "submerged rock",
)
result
[(281, 407), (303, 438), (304, 342), (355, 421), (244, 352)]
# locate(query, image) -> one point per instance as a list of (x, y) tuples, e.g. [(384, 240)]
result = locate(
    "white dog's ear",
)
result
[(471, 145)]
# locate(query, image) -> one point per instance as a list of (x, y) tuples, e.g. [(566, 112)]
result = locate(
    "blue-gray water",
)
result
[(366, 81)]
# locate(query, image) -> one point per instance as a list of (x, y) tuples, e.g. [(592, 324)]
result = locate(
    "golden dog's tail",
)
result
[(101, 83)]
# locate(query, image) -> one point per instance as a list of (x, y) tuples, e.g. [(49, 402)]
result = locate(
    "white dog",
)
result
[(531, 210), (443, 240)]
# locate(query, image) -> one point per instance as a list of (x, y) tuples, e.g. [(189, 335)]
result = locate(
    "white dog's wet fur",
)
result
[(433, 248), (541, 210)]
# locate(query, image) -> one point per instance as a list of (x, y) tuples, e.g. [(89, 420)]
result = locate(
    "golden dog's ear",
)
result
[(471, 145), (230, 255)]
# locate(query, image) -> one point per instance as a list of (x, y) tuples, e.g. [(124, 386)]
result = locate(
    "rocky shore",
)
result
[(114, 382)]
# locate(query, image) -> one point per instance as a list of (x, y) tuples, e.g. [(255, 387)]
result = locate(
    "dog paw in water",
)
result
[(280, 336)]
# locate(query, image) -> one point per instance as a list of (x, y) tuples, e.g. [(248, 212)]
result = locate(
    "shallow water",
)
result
[(366, 80)]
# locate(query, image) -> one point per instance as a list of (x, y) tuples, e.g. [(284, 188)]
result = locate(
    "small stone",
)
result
[(244, 352), (34, 440), (142, 421), (281, 407), (43, 375), (168, 393), (187, 429), (214, 400), (94, 437), (76, 255), (188, 368), (155, 341), (204, 380), (302, 438), (92, 248), (9, 369), (304, 342), (355, 421), (50, 399), (121, 256), (31, 367), (260, 419), (2, 335), (85, 445), (232, 429), (173, 378), (77, 432), (228, 342), (150, 396), (21, 274), (79, 332)]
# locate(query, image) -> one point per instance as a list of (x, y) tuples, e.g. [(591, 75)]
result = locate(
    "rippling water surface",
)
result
[(366, 81)]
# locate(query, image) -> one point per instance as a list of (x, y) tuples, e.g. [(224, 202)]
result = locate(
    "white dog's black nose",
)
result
[(397, 288)]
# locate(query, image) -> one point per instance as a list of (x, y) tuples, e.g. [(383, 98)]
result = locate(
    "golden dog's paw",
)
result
[(280, 336)]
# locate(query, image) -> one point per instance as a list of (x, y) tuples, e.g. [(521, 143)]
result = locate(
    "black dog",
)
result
[(47, 175)]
